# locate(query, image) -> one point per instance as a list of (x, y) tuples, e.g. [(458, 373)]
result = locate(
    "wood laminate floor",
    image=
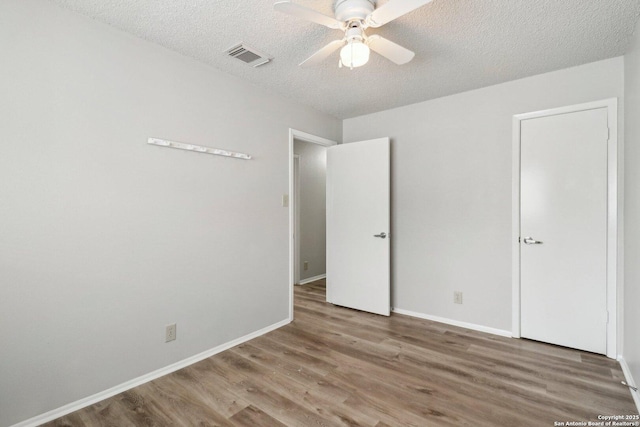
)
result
[(338, 367)]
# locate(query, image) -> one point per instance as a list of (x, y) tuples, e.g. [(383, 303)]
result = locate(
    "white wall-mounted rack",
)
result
[(198, 148)]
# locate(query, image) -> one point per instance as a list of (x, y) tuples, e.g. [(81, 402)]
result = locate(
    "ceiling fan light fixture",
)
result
[(354, 17), (354, 54)]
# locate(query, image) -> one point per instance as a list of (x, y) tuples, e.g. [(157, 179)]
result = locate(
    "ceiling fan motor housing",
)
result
[(349, 10), (354, 33)]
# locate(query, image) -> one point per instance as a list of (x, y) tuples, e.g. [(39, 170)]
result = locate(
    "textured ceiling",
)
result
[(459, 44)]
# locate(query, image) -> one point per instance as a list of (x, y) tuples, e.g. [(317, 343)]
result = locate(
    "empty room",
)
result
[(319, 213)]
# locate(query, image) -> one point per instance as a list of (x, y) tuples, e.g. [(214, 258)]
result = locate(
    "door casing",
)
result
[(612, 213), (295, 201), (307, 137)]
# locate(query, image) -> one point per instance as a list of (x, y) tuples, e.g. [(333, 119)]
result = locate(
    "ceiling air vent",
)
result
[(248, 55)]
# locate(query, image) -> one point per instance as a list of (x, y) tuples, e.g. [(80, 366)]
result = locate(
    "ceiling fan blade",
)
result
[(323, 53), (305, 13), (390, 50), (392, 10)]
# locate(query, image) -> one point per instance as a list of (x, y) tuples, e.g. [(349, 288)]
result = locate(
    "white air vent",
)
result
[(248, 55)]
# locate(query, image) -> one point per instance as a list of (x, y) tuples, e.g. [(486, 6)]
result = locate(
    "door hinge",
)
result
[(608, 133), (607, 316)]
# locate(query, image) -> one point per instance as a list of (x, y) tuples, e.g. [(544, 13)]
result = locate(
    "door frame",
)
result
[(611, 105), (295, 201), (307, 137)]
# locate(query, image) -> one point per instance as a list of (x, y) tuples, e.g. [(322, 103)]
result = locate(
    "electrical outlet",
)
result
[(306, 265), (457, 297), (170, 332)]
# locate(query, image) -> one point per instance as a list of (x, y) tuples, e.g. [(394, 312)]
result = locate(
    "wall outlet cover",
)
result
[(457, 297), (170, 332)]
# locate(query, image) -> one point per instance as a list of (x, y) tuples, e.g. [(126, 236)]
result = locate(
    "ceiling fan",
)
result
[(353, 17)]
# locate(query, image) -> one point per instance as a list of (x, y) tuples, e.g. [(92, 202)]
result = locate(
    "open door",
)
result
[(358, 225)]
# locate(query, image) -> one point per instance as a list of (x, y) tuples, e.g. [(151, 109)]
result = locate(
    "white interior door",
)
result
[(563, 229), (358, 222)]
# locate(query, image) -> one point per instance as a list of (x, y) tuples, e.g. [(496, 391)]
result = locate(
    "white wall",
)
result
[(104, 240), (451, 188), (631, 350), (313, 208)]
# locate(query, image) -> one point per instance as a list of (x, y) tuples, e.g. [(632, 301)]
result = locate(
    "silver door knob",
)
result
[(382, 235), (531, 241)]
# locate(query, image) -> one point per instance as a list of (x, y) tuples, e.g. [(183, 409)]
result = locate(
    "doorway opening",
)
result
[(309, 206), (307, 210)]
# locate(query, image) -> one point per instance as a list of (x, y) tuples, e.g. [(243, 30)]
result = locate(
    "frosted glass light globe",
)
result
[(354, 54)]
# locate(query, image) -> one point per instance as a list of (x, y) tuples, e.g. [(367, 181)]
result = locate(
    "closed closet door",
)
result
[(563, 229)]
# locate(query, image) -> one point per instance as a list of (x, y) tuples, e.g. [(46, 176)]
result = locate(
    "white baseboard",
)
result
[(90, 400), (312, 279), (472, 326), (629, 379)]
